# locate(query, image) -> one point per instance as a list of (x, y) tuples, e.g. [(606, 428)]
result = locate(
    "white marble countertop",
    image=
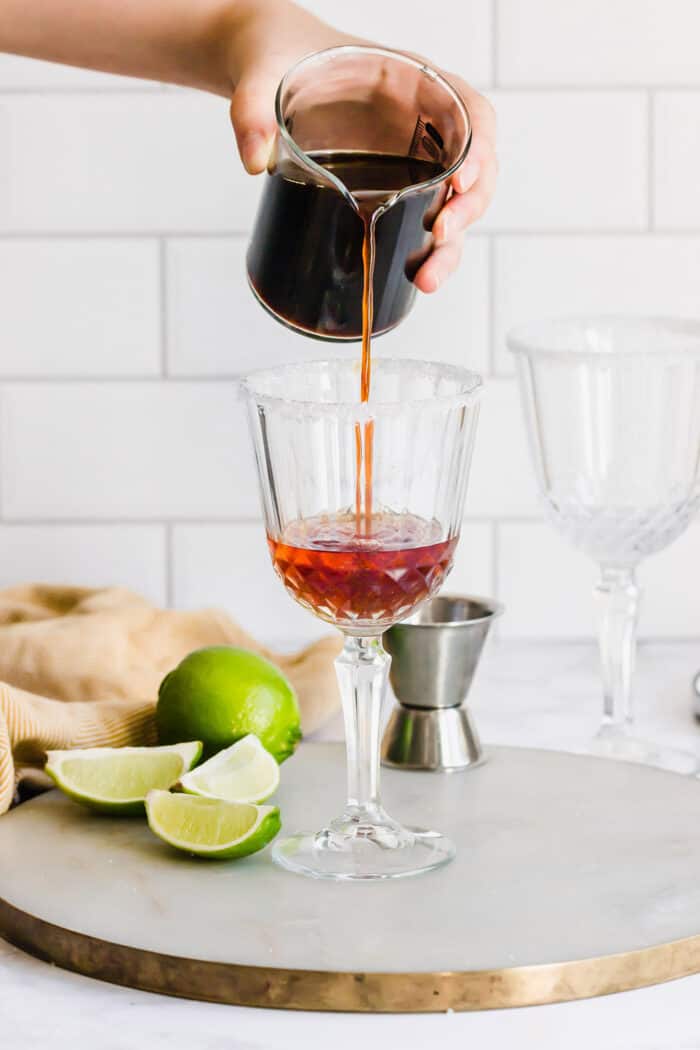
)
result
[(533, 695)]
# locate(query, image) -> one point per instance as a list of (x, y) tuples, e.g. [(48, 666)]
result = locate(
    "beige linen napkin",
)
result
[(81, 668)]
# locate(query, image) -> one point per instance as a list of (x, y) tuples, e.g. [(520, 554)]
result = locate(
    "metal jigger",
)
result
[(434, 655)]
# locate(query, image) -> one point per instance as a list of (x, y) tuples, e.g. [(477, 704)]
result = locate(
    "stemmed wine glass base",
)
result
[(618, 743), (352, 849)]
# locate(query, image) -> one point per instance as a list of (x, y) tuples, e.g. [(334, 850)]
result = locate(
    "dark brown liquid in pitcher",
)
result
[(305, 259)]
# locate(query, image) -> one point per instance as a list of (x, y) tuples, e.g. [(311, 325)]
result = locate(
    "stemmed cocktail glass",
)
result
[(361, 544), (613, 412)]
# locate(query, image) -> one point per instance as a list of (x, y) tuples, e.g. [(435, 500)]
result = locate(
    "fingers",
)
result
[(474, 182), (481, 113), (464, 208), (457, 214), (253, 119), (439, 265), (473, 186)]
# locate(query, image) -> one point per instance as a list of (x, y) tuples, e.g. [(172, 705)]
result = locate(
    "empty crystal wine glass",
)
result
[(613, 413), (362, 555)]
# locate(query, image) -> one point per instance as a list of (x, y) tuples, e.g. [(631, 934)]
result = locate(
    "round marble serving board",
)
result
[(574, 877)]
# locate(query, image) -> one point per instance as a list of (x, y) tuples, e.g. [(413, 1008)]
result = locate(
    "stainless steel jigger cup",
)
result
[(434, 655)]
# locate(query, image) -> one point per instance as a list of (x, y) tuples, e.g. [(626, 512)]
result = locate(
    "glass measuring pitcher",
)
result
[(360, 130)]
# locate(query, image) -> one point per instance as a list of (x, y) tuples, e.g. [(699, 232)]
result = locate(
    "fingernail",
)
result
[(467, 175), (254, 151)]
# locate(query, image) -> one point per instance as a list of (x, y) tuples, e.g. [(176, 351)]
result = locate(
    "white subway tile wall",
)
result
[(16, 74), (547, 585), (676, 201), (502, 480), (125, 313), (120, 555), (74, 307), (540, 276), (571, 160), (459, 40), (135, 451), (111, 162), (598, 42)]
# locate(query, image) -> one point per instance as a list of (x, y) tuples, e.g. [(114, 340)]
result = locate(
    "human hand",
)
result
[(270, 36), (473, 186)]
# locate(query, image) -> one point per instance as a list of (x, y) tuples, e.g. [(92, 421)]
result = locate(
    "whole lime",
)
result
[(220, 694)]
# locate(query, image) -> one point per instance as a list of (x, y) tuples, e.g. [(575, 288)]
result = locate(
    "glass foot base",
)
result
[(612, 742), (349, 850)]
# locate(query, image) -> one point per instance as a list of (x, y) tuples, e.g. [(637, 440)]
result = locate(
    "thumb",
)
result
[(253, 119)]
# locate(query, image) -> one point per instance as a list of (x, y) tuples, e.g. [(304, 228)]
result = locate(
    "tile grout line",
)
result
[(80, 236), (107, 234), (97, 90), (206, 381), (593, 88), (651, 149), (495, 558), (588, 232), (118, 380), (169, 567), (513, 87), (116, 520), (588, 639), (163, 313), (495, 22), (3, 410), (496, 570), (491, 306)]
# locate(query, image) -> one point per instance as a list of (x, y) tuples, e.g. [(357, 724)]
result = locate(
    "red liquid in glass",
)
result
[(362, 580)]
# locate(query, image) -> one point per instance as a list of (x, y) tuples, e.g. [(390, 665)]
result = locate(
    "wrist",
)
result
[(209, 53), (236, 32)]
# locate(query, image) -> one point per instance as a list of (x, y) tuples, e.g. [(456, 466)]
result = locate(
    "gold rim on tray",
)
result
[(286, 989)]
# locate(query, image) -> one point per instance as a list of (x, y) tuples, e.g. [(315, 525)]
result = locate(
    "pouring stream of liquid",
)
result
[(364, 435)]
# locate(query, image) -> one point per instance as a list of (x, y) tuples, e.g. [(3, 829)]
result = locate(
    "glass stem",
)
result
[(618, 597), (362, 669)]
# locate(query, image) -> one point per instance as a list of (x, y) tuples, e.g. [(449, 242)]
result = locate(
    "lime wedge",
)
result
[(117, 779), (244, 772), (211, 827)]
